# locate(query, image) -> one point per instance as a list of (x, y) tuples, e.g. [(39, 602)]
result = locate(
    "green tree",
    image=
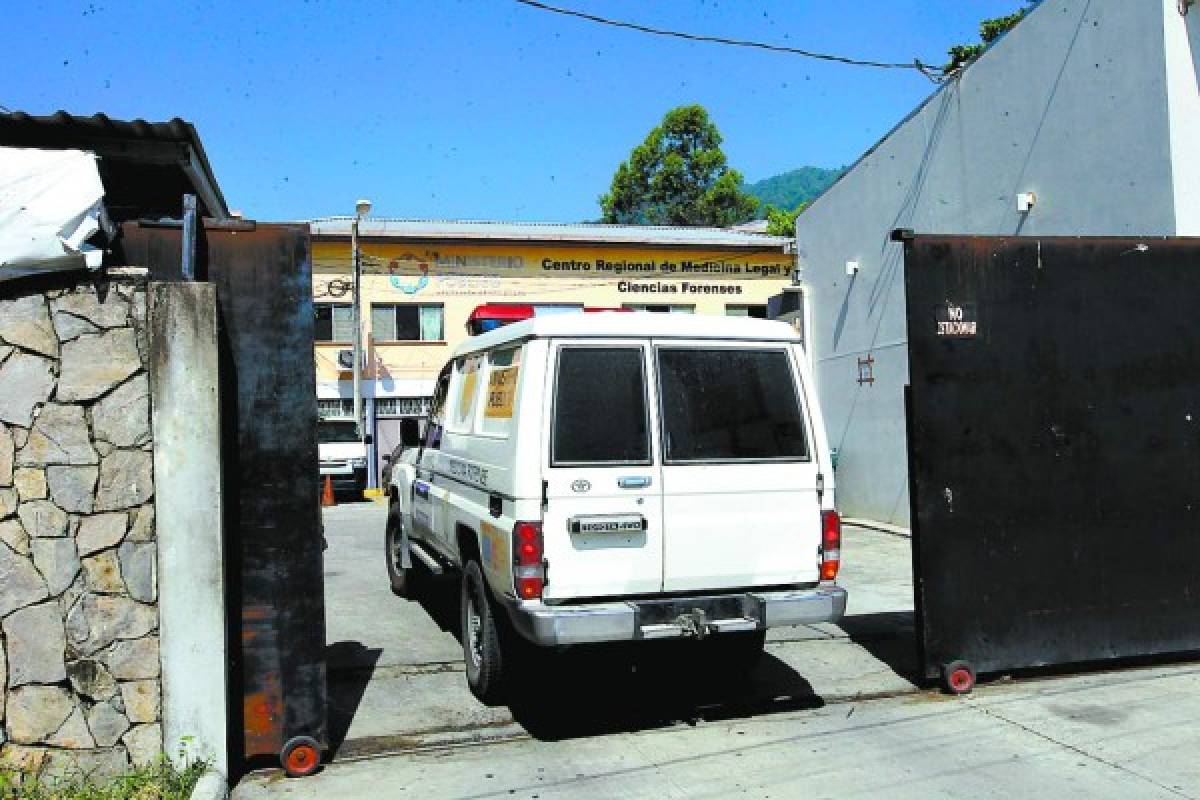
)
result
[(781, 222), (678, 176), (989, 31)]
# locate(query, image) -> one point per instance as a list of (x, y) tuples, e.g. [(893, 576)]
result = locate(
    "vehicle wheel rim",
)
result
[(394, 549), (474, 640)]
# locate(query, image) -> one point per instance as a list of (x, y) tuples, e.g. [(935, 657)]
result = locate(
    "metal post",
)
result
[(358, 421), (187, 264)]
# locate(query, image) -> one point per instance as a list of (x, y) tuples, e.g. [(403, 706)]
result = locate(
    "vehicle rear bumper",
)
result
[(679, 617)]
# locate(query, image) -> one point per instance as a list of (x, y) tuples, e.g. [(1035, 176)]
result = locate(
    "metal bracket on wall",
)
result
[(866, 370)]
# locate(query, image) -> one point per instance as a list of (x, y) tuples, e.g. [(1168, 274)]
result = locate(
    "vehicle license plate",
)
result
[(625, 523)]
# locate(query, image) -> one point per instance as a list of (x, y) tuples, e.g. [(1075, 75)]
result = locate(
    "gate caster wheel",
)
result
[(300, 757), (958, 677)]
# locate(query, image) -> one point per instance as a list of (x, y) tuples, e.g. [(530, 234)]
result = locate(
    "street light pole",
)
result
[(361, 208)]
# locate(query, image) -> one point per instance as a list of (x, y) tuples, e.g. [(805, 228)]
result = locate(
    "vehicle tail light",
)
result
[(831, 545), (529, 566)]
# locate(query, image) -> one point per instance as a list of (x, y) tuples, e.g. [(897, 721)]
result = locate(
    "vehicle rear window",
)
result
[(730, 405), (600, 407)]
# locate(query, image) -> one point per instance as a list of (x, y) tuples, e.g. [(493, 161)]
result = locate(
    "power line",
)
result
[(933, 73)]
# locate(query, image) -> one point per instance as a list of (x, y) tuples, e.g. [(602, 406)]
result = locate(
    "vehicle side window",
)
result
[(729, 405), (503, 375), (464, 393), (600, 407), (437, 409)]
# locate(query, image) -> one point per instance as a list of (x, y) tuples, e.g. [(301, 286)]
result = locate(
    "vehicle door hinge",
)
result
[(820, 486), (545, 495)]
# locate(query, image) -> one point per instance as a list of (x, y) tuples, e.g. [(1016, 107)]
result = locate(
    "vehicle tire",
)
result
[(405, 582), (482, 643), (300, 757), (738, 652)]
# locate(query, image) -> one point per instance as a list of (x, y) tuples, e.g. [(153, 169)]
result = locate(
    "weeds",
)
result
[(158, 782)]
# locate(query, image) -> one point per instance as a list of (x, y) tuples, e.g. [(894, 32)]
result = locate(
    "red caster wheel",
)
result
[(958, 677), (300, 757)]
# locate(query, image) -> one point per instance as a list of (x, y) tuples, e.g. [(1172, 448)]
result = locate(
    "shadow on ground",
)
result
[(593, 690), (889, 636), (349, 667)]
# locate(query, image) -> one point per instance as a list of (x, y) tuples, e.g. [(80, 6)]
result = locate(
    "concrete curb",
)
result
[(882, 527), (211, 786)]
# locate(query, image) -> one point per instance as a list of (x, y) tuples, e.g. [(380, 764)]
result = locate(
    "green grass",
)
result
[(159, 782)]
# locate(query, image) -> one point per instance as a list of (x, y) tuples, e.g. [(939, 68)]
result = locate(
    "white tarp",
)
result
[(51, 202)]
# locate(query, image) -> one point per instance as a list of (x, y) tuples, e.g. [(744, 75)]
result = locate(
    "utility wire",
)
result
[(933, 73)]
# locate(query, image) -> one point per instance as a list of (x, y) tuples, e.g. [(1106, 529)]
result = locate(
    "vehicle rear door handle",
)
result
[(635, 482)]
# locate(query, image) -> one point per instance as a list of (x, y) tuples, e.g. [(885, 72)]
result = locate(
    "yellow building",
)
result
[(422, 280)]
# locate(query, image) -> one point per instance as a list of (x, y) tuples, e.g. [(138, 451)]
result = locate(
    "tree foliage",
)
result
[(989, 31), (781, 222), (678, 176)]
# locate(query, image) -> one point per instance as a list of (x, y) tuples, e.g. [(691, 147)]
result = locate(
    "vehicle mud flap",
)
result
[(405, 550)]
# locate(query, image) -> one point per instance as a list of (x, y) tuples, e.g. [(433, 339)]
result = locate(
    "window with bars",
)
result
[(334, 322), (337, 407), (661, 308), (757, 312), (402, 406), (407, 322)]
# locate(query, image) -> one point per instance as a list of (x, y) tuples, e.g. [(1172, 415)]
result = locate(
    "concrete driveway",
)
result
[(830, 711)]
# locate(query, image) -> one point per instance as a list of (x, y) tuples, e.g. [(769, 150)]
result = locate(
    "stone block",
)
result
[(58, 562), (59, 436), (68, 326), (102, 572), (36, 643), (144, 743), (5, 351), (25, 322), (100, 765), (20, 583), (107, 724), (92, 679), (142, 528), (122, 418), (72, 488), (139, 570), (109, 311), (21, 759), (135, 660), (100, 532), (142, 700), (36, 713), (74, 733), (14, 535), (93, 365), (43, 518), (8, 452), (28, 381), (98, 620), (30, 483), (126, 480), (8, 502)]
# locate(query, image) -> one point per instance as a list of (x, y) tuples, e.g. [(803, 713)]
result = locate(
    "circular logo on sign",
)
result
[(581, 486)]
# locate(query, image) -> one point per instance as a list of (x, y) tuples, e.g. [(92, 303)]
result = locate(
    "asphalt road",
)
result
[(831, 711)]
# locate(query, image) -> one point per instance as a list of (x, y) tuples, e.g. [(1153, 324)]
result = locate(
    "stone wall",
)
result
[(79, 656)]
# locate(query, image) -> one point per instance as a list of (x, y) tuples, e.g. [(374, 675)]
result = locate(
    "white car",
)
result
[(342, 455), (600, 477)]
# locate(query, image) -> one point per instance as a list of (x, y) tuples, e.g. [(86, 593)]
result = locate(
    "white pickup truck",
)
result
[(598, 477)]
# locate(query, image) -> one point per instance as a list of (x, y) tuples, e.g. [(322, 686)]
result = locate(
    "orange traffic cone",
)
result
[(327, 498)]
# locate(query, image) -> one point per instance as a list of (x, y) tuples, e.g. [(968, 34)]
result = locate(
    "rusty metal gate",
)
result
[(269, 482), (1054, 440)]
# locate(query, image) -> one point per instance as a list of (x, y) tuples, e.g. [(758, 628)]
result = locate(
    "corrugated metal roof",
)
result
[(146, 167), (467, 230)]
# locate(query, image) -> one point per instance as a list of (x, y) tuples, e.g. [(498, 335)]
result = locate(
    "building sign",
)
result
[(956, 319), (412, 266)]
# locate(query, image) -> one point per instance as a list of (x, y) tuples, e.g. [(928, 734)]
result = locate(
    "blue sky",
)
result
[(473, 109)]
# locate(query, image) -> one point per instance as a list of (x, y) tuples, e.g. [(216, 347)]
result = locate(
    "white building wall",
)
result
[(1181, 34), (1071, 105)]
